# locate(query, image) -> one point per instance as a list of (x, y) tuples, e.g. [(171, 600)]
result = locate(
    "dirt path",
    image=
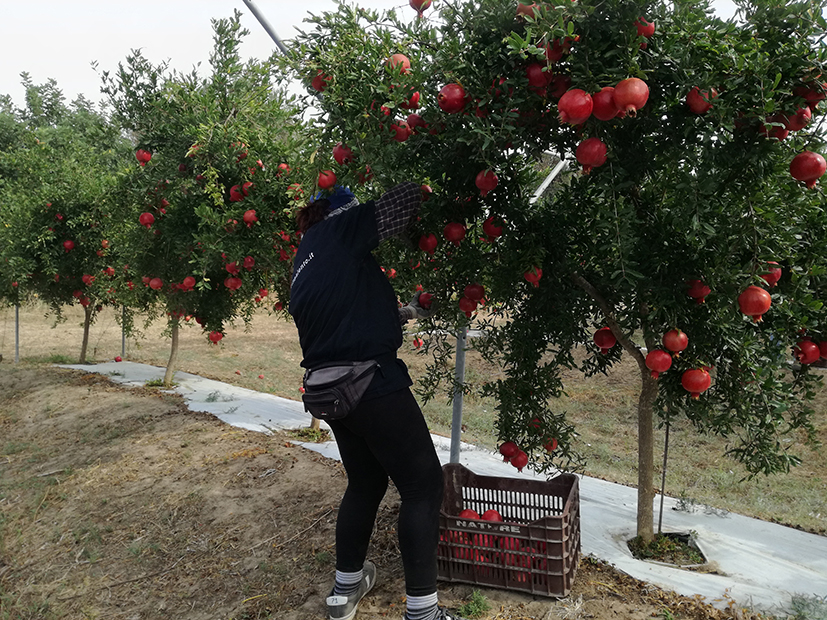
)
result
[(121, 503)]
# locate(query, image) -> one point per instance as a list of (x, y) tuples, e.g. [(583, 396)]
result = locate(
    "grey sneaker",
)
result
[(344, 607)]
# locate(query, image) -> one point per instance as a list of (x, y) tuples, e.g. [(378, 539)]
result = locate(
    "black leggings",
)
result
[(388, 436)]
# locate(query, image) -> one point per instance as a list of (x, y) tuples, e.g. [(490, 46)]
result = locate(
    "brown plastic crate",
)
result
[(537, 547)]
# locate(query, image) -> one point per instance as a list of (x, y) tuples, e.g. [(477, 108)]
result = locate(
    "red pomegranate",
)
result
[(754, 302), (591, 152), (658, 361), (774, 127), (799, 120), (509, 450), (467, 306), (491, 230), (486, 181), (806, 352), (575, 106), (631, 95), (696, 381), (188, 283), (527, 10), (427, 243), (327, 179), (822, 348), (146, 219), (560, 83), (401, 131), (533, 275), (250, 217), (551, 445), (700, 101), (342, 154), (319, 82), (774, 275), (68, 245), (812, 93), (675, 340), (644, 29), (604, 339), (426, 192), (454, 232), (215, 337), (414, 121), (451, 98), (156, 284), (604, 106), (538, 78), (419, 6), (425, 300), (143, 156), (698, 290), (399, 63), (474, 291), (519, 460), (412, 103), (236, 194), (808, 167)]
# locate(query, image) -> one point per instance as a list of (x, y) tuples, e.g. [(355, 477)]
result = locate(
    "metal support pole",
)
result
[(123, 332), (551, 176), (459, 377), (663, 477), (16, 334), (266, 25)]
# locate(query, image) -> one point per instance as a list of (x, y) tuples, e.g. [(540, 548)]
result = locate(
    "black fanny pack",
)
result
[(331, 391)]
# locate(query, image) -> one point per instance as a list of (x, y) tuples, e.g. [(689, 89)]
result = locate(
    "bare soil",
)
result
[(121, 503)]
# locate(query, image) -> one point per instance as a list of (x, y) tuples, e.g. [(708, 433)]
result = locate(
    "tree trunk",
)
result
[(314, 424), (646, 458), (88, 312), (173, 355)]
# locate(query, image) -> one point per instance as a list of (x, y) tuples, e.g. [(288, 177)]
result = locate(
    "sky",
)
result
[(60, 39)]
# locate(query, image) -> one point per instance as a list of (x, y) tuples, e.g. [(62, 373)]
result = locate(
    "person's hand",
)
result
[(414, 310)]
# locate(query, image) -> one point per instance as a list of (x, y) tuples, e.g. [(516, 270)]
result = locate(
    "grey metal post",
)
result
[(123, 332), (266, 25), (459, 377), (16, 334)]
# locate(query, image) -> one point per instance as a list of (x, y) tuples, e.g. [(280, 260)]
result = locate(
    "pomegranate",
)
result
[(799, 120), (469, 514), (467, 306), (560, 83), (283, 169), (246, 187), (412, 103), (327, 179), (808, 167), (538, 77), (401, 131), (700, 101), (342, 154), (557, 49), (822, 348), (519, 460), (156, 284), (425, 300), (658, 361), (143, 156), (491, 230), (474, 291), (631, 95), (695, 381), (486, 181), (774, 275), (319, 82), (676, 341), (451, 98), (533, 275), (604, 106), (492, 515), (419, 6), (188, 283), (575, 106), (454, 232), (698, 290), (215, 337), (236, 194), (68, 245), (233, 283), (414, 121), (775, 127), (591, 152), (426, 192), (427, 243), (399, 63), (146, 219), (250, 217), (806, 352), (811, 93), (550, 445), (509, 450), (527, 10), (604, 339), (644, 29), (754, 302)]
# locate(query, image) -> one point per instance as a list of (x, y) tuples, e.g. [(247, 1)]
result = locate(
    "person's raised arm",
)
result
[(396, 208)]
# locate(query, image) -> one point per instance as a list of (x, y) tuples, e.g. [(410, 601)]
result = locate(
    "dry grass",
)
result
[(603, 409)]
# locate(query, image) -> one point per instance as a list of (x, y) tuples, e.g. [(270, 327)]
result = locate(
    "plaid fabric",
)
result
[(396, 208)]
